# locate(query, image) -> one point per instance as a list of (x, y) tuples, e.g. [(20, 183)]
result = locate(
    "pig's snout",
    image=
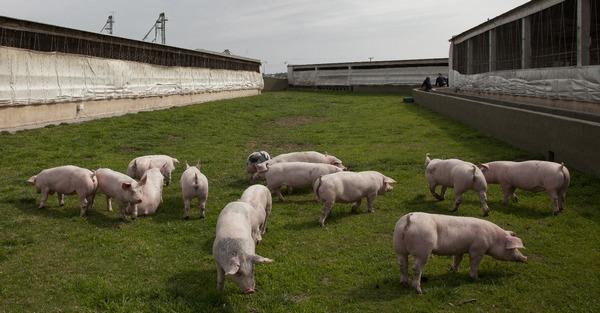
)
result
[(139, 201), (249, 291)]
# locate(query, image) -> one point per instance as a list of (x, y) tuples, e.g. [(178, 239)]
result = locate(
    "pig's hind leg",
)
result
[(327, 205), (403, 263), (419, 264), (432, 184)]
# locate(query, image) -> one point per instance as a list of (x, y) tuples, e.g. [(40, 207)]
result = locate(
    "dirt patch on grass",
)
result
[(297, 120)]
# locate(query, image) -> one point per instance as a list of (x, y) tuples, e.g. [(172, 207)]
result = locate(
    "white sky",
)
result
[(280, 31)]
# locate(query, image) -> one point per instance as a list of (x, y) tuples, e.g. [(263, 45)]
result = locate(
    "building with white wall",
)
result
[(51, 74), (548, 49), (376, 75)]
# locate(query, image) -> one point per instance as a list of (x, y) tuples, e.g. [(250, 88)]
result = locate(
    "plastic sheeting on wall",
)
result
[(566, 83), (29, 77), (353, 77)]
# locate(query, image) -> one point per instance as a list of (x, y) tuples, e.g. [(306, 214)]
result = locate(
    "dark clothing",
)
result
[(440, 81), (426, 85)]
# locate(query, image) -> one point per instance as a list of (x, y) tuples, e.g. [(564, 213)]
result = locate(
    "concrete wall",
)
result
[(384, 89), (571, 140), (275, 84), (19, 117)]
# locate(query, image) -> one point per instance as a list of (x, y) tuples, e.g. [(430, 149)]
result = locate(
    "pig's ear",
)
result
[(134, 164), (175, 161), (513, 242), (259, 259), (143, 180), (198, 164), (164, 168), (32, 179), (233, 266), (388, 180), (126, 186), (483, 166), (186, 165)]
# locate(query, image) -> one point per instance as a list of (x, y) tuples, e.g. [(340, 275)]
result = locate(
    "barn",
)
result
[(51, 74)]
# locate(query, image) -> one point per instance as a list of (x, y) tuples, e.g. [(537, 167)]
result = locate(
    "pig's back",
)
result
[(66, 179), (233, 221)]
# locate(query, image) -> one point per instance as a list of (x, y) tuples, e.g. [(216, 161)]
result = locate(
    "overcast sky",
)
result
[(280, 32)]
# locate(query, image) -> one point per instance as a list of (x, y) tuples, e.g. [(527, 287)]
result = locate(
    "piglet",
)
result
[(193, 185), (421, 234), (138, 166), (126, 190), (350, 187), (459, 175), (66, 180), (534, 176), (302, 156), (259, 197), (151, 192), (295, 175), (234, 247)]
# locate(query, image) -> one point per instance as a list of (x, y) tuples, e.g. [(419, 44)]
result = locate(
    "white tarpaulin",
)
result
[(566, 83), (381, 76), (28, 77)]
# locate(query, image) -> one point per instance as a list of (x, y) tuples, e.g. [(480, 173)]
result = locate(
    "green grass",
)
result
[(52, 260)]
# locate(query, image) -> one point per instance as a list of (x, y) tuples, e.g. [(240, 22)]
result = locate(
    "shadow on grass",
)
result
[(389, 288), (53, 210), (334, 218), (424, 204), (197, 290)]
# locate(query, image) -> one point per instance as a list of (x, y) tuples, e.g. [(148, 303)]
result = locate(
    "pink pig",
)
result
[(421, 234), (459, 175), (66, 180), (535, 176)]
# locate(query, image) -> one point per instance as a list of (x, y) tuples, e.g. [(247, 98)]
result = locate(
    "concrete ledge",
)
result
[(399, 89), (14, 118), (565, 139)]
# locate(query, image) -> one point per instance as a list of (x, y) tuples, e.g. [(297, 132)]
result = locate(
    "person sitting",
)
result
[(440, 81), (426, 85)]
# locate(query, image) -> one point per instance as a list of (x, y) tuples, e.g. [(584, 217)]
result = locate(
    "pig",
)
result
[(421, 234), (350, 187), (66, 180), (193, 185), (234, 247), (151, 193), (126, 190), (459, 175), (255, 158), (138, 166), (303, 156), (259, 197), (295, 175), (533, 176)]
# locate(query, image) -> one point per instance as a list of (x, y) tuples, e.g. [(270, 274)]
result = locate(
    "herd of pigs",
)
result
[(242, 223)]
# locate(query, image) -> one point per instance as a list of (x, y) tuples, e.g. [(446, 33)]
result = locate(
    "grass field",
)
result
[(52, 260)]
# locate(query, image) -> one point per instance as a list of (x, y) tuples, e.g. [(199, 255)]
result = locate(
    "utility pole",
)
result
[(159, 27), (108, 26)]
